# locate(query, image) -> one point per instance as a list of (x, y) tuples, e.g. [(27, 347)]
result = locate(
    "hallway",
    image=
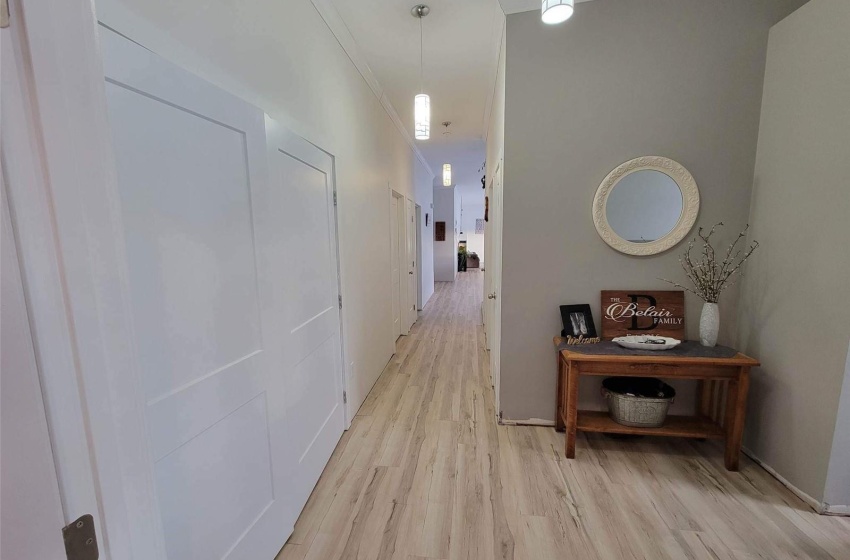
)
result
[(426, 473)]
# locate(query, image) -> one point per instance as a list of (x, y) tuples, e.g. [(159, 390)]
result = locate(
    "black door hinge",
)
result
[(80, 539)]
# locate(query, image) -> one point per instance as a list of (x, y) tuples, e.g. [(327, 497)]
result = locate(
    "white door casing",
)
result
[(31, 518), (395, 265), (410, 257), (304, 290), (193, 188)]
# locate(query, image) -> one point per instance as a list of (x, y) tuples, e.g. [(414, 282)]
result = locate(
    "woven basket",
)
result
[(635, 409)]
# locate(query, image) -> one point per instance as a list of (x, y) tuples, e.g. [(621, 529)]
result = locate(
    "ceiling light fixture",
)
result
[(556, 11), (421, 103), (447, 174)]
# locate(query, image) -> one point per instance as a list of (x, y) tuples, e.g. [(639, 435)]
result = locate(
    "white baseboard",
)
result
[(843, 511), (819, 507)]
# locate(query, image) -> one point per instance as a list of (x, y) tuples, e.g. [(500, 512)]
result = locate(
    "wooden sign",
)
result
[(439, 231), (627, 312)]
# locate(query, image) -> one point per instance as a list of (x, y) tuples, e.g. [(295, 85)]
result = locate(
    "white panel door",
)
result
[(494, 268), (31, 516), (400, 254), (191, 171), (304, 302), (410, 222), (396, 266)]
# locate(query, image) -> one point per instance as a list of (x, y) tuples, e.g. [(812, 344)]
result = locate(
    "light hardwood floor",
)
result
[(426, 473)]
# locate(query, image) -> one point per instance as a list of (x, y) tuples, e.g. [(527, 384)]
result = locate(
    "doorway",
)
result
[(493, 280), (418, 258), (398, 259)]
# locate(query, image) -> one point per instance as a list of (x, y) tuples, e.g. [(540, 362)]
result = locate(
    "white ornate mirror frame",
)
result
[(690, 205)]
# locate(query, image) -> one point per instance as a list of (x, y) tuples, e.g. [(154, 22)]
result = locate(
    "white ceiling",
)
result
[(461, 46)]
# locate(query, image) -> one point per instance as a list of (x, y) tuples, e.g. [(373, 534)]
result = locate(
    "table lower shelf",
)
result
[(674, 426)]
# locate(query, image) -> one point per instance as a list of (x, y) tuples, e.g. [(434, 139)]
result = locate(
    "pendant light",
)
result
[(421, 103), (556, 11), (447, 167)]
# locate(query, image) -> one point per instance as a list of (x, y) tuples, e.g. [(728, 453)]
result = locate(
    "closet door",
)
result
[(304, 303), (191, 167)]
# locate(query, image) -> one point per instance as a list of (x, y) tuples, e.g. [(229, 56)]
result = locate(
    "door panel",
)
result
[(303, 302), (32, 513), (396, 266), (494, 268), (401, 255), (191, 169), (410, 222)]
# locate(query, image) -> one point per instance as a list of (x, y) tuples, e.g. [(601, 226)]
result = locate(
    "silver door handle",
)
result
[(491, 296)]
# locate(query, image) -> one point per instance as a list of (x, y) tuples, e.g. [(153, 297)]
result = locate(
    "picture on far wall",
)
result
[(439, 231), (479, 226), (578, 321)]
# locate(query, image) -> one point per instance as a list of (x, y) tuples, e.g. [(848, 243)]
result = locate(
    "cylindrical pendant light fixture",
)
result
[(422, 102), (422, 117), (556, 11), (447, 174)]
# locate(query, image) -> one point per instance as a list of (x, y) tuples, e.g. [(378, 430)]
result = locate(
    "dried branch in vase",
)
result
[(709, 277)]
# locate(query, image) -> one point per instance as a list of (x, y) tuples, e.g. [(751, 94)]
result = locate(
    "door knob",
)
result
[(411, 272), (491, 296)]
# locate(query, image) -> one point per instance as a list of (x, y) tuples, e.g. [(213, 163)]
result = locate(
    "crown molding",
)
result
[(340, 30)]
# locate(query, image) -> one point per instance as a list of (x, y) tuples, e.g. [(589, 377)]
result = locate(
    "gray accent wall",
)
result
[(795, 311), (621, 79)]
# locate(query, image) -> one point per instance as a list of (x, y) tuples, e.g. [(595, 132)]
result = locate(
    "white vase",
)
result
[(709, 324)]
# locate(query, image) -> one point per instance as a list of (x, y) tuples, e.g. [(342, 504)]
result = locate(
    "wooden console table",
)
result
[(721, 401)]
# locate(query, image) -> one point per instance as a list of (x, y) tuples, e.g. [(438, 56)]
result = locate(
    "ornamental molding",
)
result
[(690, 205)]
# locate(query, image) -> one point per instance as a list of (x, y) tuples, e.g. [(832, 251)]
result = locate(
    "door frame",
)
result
[(494, 282), (411, 261), (68, 227), (402, 270), (418, 211)]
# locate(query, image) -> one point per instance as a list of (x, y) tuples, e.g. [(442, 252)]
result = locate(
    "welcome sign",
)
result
[(637, 312)]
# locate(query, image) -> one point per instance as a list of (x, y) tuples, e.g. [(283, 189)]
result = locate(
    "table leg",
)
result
[(559, 409), (736, 408), (572, 409)]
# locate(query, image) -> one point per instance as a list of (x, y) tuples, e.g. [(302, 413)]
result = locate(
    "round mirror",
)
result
[(646, 205)]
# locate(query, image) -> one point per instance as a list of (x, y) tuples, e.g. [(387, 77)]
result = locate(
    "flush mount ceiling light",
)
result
[(447, 174), (421, 103), (556, 11)]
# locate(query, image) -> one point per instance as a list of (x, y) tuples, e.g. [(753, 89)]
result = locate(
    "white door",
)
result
[(494, 269), (400, 253), (192, 182), (304, 302), (410, 257), (418, 258), (31, 517), (396, 266)]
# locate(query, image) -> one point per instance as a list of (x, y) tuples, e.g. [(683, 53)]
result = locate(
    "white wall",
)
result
[(445, 252), (282, 57), (795, 286)]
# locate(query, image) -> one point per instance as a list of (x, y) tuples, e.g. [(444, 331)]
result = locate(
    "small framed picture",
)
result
[(578, 321)]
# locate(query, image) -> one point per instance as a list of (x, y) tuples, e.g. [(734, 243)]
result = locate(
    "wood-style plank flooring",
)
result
[(426, 473)]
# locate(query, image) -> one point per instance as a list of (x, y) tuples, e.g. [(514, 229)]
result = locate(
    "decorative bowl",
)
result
[(647, 342)]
